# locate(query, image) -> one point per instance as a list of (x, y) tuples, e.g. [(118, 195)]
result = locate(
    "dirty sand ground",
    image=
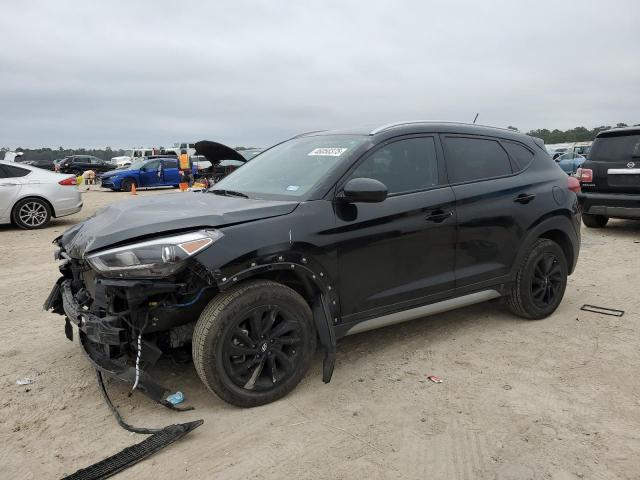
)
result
[(558, 398)]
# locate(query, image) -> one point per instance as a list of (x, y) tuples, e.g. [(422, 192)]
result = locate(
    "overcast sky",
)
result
[(134, 73)]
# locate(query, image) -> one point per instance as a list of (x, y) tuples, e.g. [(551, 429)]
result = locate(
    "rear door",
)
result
[(170, 174), (10, 186), (495, 205), (614, 159)]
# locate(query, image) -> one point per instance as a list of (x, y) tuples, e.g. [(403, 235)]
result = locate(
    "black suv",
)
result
[(610, 177), (321, 236), (77, 164)]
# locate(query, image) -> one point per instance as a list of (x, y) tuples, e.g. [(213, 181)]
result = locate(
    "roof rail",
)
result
[(308, 133), (411, 122)]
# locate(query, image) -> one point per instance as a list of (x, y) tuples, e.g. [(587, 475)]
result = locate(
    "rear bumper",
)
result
[(616, 205)]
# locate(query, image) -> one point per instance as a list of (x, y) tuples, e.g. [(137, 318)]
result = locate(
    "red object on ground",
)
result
[(434, 379)]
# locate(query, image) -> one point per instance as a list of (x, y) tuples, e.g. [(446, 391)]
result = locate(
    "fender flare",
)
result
[(318, 286), (554, 222)]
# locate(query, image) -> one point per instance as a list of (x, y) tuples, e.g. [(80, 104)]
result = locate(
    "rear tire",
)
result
[(127, 184), (253, 343), (31, 213), (594, 221), (540, 282)]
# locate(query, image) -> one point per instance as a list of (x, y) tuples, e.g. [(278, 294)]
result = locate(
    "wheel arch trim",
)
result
[(319, 291)]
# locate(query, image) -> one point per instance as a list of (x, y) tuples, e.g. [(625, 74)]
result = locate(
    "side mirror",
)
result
[(364, 190)]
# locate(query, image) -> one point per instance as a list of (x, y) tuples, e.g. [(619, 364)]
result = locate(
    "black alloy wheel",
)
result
[(260, 349), (540, 282), (546, 281), (254, 342)]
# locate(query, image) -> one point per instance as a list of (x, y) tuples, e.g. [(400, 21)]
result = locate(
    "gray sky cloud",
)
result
[(124, 73)]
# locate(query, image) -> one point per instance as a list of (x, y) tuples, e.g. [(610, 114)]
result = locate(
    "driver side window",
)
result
[(403, 166)]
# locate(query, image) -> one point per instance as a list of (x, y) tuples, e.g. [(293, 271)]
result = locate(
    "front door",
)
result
[(150, 174), (399, 252)]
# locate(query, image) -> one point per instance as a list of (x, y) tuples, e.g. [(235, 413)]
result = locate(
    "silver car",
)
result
[(30, 196)]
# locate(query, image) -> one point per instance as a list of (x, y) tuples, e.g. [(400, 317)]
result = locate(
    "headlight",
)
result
[(154, 258)]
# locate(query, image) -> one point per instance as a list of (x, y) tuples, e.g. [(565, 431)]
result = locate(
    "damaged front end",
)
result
[(126, 324)]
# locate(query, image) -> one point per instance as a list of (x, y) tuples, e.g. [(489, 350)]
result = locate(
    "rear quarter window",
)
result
[(9, 171), (520, 154)]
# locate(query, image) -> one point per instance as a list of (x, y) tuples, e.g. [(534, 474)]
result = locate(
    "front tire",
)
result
[(594, 221), (127, 184), (31, 213), (253, 343), (540, 282)]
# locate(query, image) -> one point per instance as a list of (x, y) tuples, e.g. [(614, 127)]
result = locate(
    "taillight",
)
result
[(573, 184), (584, 175), (68, 181)]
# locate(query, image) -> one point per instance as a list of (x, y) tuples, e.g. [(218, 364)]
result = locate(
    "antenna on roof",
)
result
[(476, 117)]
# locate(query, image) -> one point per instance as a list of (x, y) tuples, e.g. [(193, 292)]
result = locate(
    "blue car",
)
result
[(144, 173), (569, 162)]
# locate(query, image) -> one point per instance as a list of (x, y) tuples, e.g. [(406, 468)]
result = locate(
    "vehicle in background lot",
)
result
[(249, 153), (156, 171), (31, 196), (130, 155), (557, 149), (13, 156), (77, 164), (610, 177), (44, 163), (321, 236), (570, 162), (582, 148), (216, 173)]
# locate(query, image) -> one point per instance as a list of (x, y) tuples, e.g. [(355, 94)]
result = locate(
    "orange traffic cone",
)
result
[(133, 189)]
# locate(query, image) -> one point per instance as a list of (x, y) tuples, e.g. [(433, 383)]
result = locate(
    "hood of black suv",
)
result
[(155, 215)]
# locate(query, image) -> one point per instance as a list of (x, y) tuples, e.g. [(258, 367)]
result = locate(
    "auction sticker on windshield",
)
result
[(327, 152)]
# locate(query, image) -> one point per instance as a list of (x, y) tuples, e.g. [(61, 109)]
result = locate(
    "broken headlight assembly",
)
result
[(152, 258)]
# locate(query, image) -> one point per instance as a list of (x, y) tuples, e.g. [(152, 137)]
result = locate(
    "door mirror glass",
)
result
[(365, 190)]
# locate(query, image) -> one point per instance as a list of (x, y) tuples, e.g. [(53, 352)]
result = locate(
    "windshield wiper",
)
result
[(228, 193)]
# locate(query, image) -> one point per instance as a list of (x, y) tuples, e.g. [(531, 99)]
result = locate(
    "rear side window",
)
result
[(170, 163), (9, 171), (403, 166), (619, 148), (521, 155), (471, 159)]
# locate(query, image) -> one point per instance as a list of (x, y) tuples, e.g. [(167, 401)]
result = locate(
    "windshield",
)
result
[(618, 148), (292, 168), (135, 165)]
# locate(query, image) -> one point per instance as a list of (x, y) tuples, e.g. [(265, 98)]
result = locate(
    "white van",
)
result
[(130, 155)]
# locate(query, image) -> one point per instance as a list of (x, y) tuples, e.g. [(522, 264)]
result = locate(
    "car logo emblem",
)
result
[(631, 164)]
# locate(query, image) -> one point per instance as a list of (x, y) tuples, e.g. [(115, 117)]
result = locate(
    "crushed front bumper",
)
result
[(99, 336)]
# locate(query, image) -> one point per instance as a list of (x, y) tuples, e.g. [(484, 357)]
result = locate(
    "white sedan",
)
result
[(30, 196)]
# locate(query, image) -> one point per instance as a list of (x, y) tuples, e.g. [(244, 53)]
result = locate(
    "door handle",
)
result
[(439, 216), (524, 198)]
